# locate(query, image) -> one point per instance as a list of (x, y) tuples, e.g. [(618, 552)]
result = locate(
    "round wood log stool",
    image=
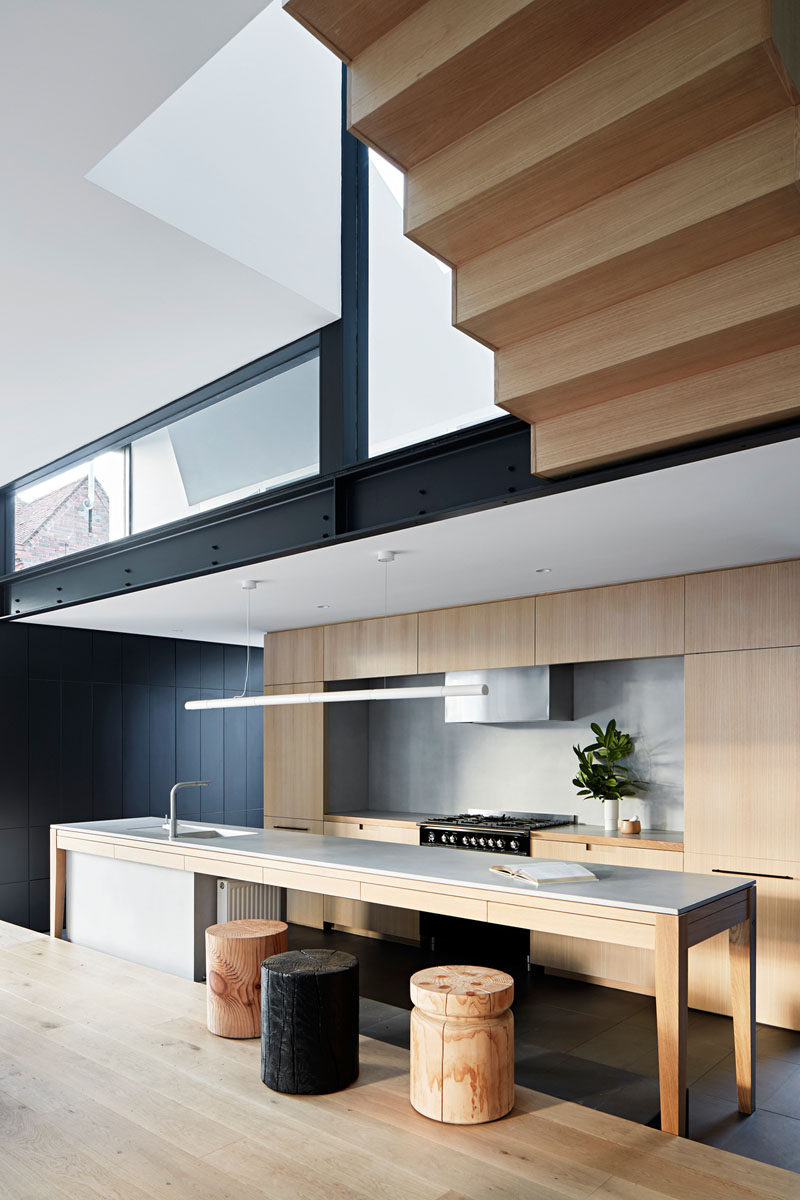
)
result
[(309, 1030), (462, 1044), (234, 953)]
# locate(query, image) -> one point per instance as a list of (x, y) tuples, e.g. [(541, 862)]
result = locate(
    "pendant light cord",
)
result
[(243, 692)]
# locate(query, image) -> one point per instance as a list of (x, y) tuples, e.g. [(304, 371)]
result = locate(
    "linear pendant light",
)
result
[(402, 693), (384, 557)]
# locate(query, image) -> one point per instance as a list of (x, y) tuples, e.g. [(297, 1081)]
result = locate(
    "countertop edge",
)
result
[(187, 846)]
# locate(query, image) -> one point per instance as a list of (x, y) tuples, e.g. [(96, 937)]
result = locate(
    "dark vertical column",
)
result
[(343, 345)]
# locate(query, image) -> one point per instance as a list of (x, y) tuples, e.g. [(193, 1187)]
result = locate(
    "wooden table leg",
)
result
[(742, 951), (672, 1014), (58, 886)]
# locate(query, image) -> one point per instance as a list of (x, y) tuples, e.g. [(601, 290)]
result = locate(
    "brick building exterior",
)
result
[(59, 523)]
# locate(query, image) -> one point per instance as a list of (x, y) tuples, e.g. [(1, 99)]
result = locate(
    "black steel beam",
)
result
[(479, 468)]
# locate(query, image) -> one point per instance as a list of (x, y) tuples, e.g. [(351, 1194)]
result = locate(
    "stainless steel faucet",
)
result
[(173, 803)]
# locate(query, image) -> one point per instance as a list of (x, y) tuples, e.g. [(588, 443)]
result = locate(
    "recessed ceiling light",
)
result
[(544, 570)]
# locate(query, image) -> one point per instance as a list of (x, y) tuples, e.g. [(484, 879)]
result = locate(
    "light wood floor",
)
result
[(111, 1087)]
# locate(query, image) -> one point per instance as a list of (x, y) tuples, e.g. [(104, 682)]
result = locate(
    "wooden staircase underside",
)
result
[(616, 184)]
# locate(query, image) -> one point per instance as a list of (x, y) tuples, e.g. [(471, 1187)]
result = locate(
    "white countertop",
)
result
[(673, 892)]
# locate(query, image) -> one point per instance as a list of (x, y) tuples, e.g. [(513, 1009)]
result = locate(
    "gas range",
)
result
[(488, 832)]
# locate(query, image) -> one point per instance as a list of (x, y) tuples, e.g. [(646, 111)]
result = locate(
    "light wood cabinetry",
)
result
[(743, 609), (302, 908), (294, 757), (627, 620), (358, 916), (629, 966), (373, 648), (778, 942), (293, 656), (477, 636), (294, 781), (615, 856), (742, 774)]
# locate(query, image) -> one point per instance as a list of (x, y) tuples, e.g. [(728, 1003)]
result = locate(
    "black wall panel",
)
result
[(76, 750), (107, 750), (135, 750), (13, 751), (93, 727), (44, 751)]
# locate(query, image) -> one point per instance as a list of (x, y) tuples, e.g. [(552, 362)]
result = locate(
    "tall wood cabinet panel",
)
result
[(302, 908), (294, 757), (293, 656), (373, 648), (477, 636), (603, 962), (742, 772), (778, 942), (626, 620), (743, 609)]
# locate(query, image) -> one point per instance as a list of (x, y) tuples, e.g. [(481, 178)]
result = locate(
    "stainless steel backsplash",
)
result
[(400, 755)]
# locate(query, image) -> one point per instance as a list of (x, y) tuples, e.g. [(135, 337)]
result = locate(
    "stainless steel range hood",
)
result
[(516, 695)]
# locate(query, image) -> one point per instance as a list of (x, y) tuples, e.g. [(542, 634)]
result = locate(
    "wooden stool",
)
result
[(309, 1038), (462, 1044), (234, 953)]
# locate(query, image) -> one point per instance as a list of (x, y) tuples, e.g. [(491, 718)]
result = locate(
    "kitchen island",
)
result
[(663, 911)]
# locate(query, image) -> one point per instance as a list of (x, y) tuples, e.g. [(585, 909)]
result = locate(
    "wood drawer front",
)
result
[(85, 845), (294, 757), (628, 620), (373, 833), (424, 901), (744, 609), (360, 917), (247, 872), (478, 636), (293, 656), (368, 649), (614, 856), (172, 859), (778, 943), (294, 825), (742, 772)]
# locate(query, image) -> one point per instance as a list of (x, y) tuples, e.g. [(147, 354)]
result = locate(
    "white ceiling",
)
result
[(740, 508), (108, 311)]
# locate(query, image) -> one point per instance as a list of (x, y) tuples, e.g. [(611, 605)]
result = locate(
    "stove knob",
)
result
[(443, 838), (465, 840), (500, 843), (431, 836), (491, 842), (473, 841), (481, 841), (514, 844), (452, 839)]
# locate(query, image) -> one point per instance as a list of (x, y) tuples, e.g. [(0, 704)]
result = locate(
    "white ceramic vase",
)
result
[(611, 815)]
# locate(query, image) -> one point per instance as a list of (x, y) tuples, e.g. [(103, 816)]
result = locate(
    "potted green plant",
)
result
[(600, 774)]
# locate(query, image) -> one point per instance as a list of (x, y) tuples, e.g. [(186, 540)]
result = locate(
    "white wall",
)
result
[(425, 377)]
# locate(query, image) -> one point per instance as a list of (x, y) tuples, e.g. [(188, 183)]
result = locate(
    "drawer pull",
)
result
[(293, 828), (756, 874)]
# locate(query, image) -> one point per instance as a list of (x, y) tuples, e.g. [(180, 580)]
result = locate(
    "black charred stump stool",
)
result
[(309, 1021)]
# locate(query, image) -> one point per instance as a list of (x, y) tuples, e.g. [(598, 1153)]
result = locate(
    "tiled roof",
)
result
[(31, 516)]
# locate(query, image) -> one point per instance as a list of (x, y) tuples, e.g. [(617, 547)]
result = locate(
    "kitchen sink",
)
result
[(209, 833)]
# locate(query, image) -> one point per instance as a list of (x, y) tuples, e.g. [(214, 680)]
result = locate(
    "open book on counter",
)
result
[(546, 871)]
